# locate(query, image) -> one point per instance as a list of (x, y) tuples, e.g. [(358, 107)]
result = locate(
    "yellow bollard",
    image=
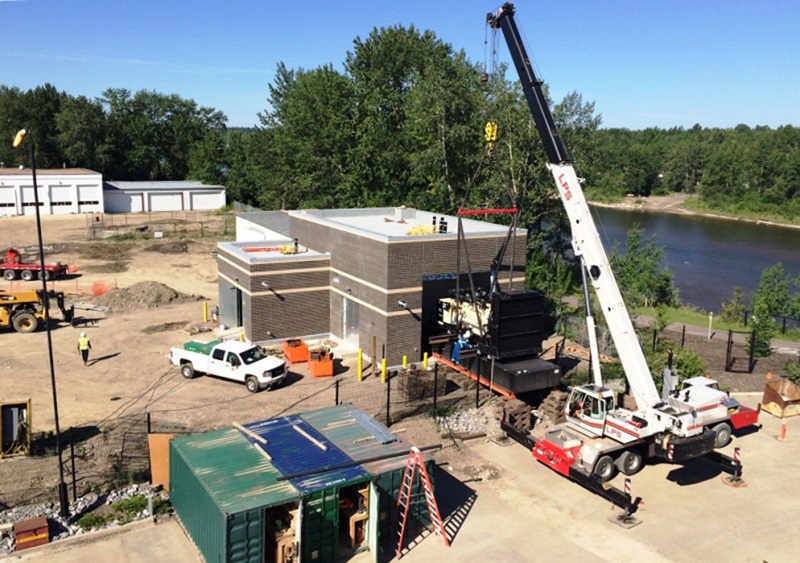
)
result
[(205, 311), (405, 362), (360, 368), (425, 361), (241, 337), (383, 370)]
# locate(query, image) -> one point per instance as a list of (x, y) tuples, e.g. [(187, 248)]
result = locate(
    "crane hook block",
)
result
[(490, 132)]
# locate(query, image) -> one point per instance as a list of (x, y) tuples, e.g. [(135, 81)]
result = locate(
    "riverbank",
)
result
[(673, 203)]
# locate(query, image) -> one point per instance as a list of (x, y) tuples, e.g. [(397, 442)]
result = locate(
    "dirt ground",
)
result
[(129, 374)]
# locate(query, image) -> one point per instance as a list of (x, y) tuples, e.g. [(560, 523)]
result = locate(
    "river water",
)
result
[(707, 256)]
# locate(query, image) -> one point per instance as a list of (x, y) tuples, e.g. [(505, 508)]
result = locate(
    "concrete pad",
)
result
[(138, 542)]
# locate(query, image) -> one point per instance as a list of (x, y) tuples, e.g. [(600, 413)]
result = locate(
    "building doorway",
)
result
[(350, 321)]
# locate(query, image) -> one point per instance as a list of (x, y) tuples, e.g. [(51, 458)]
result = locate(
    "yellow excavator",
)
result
[(25, 310)]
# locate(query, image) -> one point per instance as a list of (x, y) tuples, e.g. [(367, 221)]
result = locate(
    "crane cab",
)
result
[(587, 408)]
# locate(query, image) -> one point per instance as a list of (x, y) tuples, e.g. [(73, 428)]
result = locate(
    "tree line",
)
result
[(402, 124)]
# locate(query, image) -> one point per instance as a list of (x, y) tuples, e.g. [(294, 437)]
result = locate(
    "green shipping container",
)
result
[(221, 487)]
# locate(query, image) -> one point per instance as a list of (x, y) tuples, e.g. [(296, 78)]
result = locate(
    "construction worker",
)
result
[(84, 345)]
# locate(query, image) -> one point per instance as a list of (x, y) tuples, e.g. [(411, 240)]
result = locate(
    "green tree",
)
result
[(82, 132), (773, 292), (764, 328), (639, 272), (734, 309)]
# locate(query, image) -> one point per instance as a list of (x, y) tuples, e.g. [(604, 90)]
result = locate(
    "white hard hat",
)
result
[(83, 335), (467, 334)]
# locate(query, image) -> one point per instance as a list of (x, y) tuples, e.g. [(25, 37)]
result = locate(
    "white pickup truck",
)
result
[(233, 359)]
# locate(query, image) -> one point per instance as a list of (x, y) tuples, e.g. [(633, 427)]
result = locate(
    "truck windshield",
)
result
[(253, 355)]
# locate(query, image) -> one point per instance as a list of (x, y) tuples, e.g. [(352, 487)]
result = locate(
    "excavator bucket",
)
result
[(781, 398)]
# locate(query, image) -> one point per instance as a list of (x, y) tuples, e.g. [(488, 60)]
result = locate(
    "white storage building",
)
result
[(137, 197), (61, 191)]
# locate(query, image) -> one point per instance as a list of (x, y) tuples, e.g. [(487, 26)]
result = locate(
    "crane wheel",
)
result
[(630, 462), (722, 435), (10, 275), (25, 322), (604, 469)]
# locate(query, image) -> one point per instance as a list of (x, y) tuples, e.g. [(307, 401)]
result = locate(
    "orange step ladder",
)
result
[(416, 465)]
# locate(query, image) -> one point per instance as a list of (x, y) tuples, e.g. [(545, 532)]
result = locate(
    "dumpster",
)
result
[(781, 398), (295, 350), (321, 363)]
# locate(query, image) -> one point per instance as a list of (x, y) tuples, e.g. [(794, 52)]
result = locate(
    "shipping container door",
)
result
[(245, 537), (320, 526)]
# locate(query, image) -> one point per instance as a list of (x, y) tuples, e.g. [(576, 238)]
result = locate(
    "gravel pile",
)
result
[(140, 296), (61, 528), (471, 421)]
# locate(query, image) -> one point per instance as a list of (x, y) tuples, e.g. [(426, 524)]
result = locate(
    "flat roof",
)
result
[(48, 172), (269, 250), (160, 186), (398, 223)]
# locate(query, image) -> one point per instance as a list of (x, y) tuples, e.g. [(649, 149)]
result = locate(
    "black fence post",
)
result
[(336, 385), (477, 392), (435, 385), (72, 461), (683, 337), (655, 338), (752, 364), (388, 399), (149, 427)]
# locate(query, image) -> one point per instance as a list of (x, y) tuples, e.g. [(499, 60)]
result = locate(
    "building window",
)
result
[(88, 203)]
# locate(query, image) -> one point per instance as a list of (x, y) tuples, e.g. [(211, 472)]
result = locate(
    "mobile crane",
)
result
[(599, 437)]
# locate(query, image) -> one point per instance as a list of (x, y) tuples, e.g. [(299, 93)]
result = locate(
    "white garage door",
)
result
[(166, 202), (206, 200), (29, 200), (61, 201), (121, 202), (89, 198), (8, 201)]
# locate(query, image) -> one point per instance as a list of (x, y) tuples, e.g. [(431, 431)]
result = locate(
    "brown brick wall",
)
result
[(364, 270)]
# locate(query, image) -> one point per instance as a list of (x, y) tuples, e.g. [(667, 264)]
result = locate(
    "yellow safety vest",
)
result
[(83, 344)]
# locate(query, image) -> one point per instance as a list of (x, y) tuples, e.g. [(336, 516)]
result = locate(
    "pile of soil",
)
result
[(142, 295)]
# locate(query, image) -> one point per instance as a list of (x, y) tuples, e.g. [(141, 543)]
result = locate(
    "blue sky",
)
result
[(644, 63)]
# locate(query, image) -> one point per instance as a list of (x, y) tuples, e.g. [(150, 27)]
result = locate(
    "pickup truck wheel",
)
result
[(26, 275), (629, 462), (252, 384), (605, 469), (25, 322), (10, 275), (723, 435), (187, 370)]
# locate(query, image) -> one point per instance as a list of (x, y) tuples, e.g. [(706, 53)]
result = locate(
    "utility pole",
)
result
[(62, 486)]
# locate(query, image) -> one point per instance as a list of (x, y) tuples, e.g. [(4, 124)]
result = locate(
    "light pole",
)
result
[(62, 486)]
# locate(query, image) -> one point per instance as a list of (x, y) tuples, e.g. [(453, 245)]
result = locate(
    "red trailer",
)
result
[(12, 267)]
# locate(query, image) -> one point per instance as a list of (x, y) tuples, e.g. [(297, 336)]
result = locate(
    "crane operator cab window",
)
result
[(588, 406)]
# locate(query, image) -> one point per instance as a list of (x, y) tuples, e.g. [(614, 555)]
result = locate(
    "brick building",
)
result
[(356, 274)]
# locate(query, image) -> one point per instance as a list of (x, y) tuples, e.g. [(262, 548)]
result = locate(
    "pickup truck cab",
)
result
[(233, 359)]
